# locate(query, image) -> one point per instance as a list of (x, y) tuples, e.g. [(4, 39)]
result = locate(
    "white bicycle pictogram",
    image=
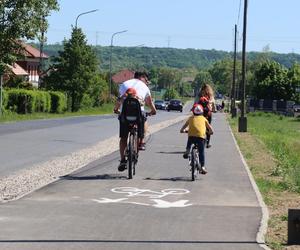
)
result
[(134, 192)]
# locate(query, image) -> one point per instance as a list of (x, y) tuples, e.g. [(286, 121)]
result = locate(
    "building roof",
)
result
[(123, 76), (33, 52), (18, 70)]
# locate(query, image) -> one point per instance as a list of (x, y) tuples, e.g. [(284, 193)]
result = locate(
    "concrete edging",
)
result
[(260, 236)]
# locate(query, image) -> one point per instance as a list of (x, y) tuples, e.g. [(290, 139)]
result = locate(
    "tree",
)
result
[(168, 78), (21, 19), (201, 78), (75, 69), (294, 83), (271, 81), (221, 73), (171, 94)]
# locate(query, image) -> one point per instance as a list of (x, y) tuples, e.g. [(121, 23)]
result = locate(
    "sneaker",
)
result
[(122, 166), (203, 170), (208, 146), (142, 146), (186, 155)]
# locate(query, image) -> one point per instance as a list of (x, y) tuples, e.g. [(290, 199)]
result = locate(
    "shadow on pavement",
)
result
[(171, 153), (169, 179), (95, 177)]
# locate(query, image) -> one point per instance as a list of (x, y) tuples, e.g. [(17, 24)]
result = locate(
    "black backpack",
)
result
[(131, 110)]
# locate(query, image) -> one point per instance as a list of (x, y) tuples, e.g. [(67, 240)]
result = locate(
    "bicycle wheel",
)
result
[(130, 155), (193, 162), (135, 152)]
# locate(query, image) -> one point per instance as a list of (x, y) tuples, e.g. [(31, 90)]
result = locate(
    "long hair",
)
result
[(206, 90)]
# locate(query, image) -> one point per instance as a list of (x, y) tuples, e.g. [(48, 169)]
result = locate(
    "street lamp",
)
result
[(110, 58), (83, 13)]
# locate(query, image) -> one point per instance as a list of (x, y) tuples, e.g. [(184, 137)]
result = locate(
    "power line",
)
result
[(238, 19)]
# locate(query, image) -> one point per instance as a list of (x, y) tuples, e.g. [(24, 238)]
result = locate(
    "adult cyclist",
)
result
[(138, 86)]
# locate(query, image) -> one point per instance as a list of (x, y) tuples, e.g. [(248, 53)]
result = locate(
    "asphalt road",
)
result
[(24, 144), (99, 208)]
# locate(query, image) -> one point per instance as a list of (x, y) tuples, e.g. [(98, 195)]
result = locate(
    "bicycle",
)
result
[(132, 149), (193, 158), (194, 161)]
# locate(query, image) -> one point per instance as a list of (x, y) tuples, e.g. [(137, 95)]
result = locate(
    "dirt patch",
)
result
[(263, 165)]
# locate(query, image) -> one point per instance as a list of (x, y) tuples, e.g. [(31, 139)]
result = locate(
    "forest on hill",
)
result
[(148, 57)]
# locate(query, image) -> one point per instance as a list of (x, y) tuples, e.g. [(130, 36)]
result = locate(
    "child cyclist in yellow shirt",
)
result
[(197, 125)]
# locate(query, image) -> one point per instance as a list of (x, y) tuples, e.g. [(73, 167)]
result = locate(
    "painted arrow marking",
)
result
[(166, 204)]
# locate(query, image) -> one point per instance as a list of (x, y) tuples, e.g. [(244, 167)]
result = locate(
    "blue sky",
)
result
[(199, 24)]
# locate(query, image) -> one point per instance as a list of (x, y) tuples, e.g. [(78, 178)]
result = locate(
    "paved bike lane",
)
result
[(98, 208)]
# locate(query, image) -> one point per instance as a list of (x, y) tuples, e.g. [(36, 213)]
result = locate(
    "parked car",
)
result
[(296, 109), (160, 104), (175, 105)]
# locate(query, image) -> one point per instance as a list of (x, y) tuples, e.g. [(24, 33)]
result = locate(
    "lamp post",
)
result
[(110, 58), (243, 120), (84, 13)]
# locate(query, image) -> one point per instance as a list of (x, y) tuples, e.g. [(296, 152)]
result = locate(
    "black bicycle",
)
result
[(132, 150), (194, 161)]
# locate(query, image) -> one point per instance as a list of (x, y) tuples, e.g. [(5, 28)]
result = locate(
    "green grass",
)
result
[(11, 117), (281, 135)]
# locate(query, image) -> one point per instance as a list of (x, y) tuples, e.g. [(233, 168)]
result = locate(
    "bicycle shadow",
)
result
[(94, 177), (171, 152), (179, 179)]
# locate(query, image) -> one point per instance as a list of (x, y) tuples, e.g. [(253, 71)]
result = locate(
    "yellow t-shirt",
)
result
[(197, 126)]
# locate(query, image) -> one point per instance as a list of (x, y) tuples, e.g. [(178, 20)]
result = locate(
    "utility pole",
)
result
[(233, 108), (243, 119), (41, 69)]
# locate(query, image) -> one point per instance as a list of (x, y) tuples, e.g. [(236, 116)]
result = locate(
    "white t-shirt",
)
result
[(142, 90)]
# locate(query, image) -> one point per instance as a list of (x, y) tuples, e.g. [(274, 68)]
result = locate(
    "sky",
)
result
[(197, 24)]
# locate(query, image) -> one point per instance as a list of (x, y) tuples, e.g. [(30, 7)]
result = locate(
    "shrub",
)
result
[(58, 102), (21, 101), (86, 102), (171, 94), (43, 101)]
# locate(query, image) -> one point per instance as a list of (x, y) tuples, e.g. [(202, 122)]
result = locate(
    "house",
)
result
[(31, 63), (28, 65), (122, 76)]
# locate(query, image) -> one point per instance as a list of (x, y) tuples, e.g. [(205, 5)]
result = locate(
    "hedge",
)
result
[(4, 98), (28, 101), (21, 101), (58, 102)]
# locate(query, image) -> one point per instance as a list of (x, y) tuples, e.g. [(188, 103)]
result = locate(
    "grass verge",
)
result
[(271, 148)]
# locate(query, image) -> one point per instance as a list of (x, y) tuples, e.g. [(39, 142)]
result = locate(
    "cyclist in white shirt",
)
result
[(142, 93)]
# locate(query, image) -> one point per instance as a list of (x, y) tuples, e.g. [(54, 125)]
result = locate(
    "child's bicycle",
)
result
[(194, 161)]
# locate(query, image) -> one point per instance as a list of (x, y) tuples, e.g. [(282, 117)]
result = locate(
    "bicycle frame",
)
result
[(132, 150), (194, 160)]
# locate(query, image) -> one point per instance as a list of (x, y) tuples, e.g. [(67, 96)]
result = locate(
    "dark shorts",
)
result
[(125, 127)]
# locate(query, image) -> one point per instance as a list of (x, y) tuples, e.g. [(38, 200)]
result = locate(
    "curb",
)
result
[(260, 236)]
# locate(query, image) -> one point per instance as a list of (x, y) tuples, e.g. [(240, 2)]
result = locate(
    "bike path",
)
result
[(98, 208)]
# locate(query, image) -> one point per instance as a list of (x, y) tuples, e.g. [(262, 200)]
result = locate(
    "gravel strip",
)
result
[(15, 186)]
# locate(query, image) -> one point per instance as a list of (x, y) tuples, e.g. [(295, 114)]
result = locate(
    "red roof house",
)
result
[(122, 76), (31, 62)]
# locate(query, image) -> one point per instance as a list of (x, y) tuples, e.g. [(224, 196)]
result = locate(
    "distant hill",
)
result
[(146, 57)]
